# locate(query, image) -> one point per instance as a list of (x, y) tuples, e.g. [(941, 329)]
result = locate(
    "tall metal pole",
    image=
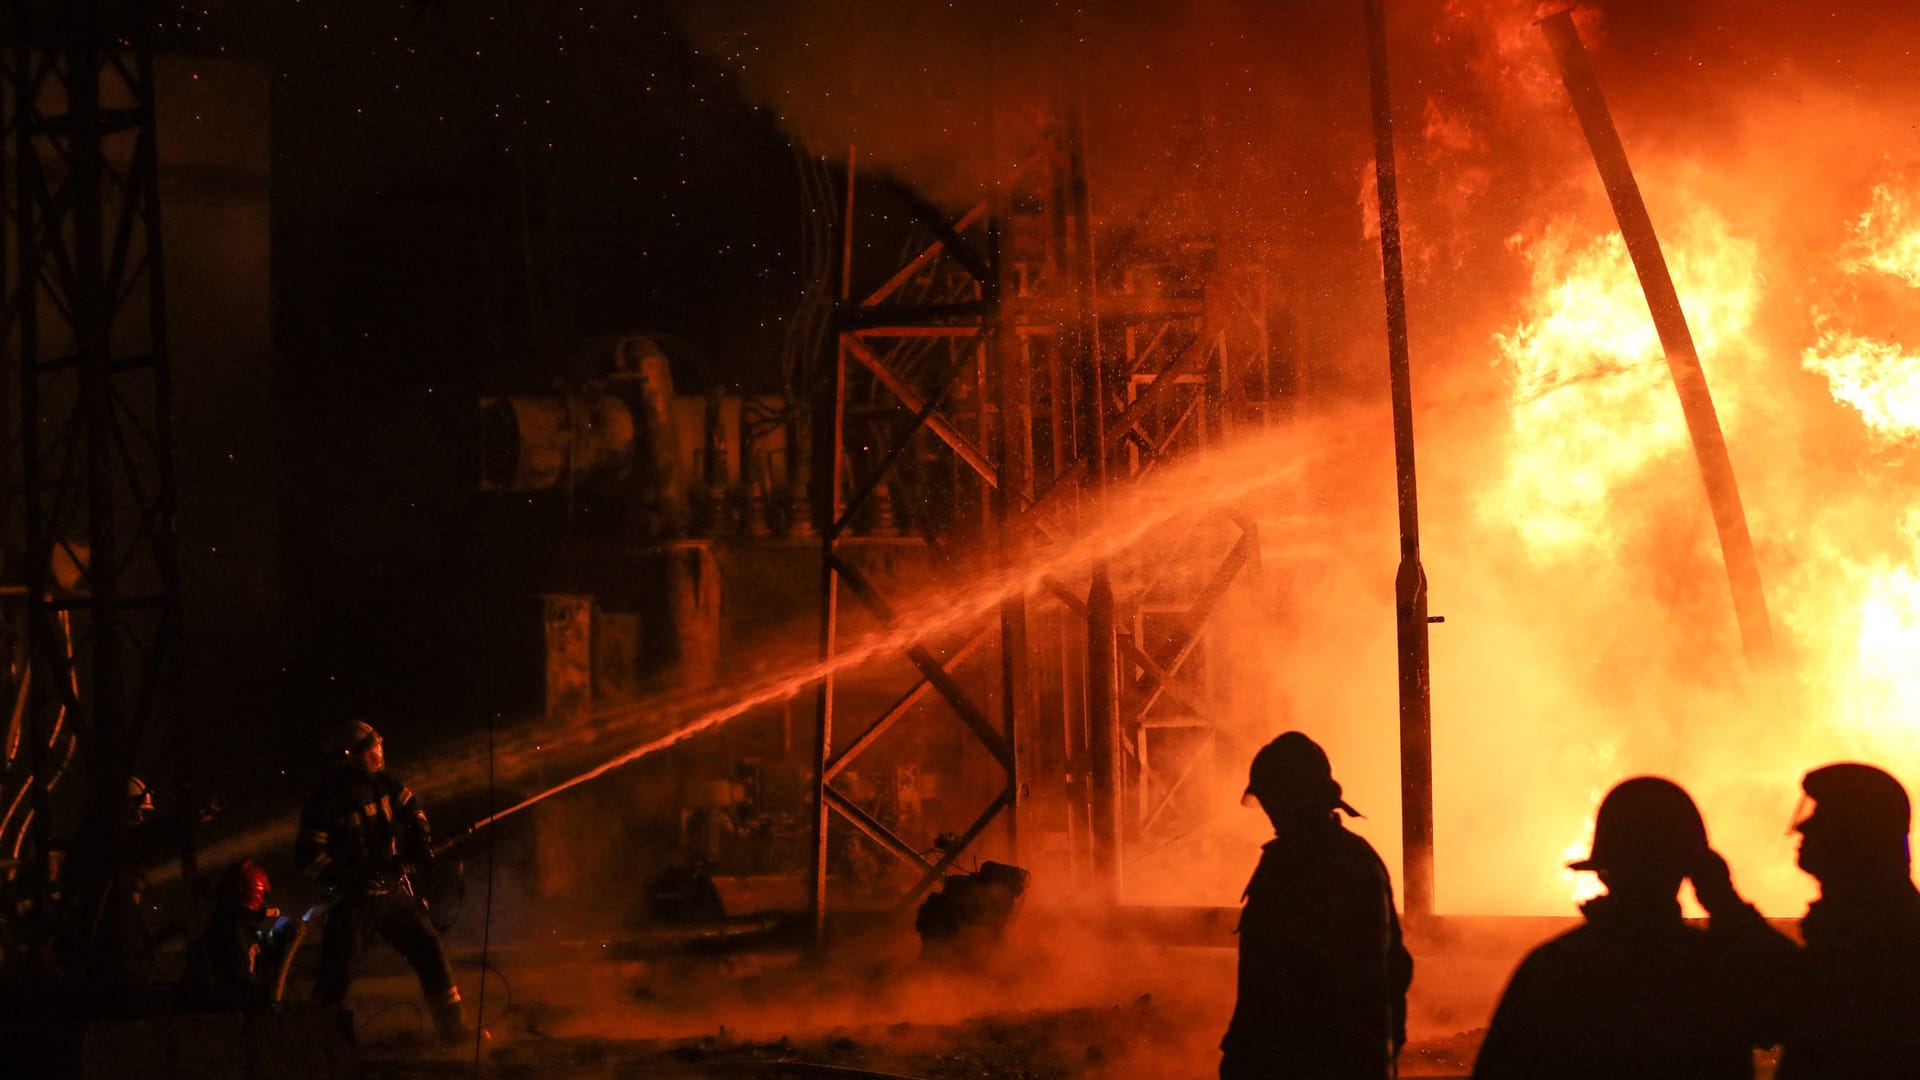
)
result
[(1696, 400), (1013, 445), (1410, 582), (828, 460), (1103, 648)]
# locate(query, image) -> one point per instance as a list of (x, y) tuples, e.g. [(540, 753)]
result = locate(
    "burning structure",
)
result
[(1063, 484)]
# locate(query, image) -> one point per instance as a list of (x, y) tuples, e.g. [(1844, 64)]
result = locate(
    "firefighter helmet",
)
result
[(1858, 797), (359, 742), (1293, 771), (139, 798), (1646, 822), (245, 885)]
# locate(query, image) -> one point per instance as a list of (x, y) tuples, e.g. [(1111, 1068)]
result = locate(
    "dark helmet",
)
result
[(357, 741), (1857, 827), (1646, 822), (1292, 771), (1858, 798), (139, 797)]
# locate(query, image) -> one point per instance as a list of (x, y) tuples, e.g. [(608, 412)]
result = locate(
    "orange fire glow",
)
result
[(1880, 379), (1593, 412), (1593, 402), (1886, 236)]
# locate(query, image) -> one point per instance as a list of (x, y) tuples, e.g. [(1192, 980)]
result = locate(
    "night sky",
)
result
[(461, 196)]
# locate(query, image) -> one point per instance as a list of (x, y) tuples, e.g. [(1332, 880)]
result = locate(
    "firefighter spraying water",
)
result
[(363, 836)]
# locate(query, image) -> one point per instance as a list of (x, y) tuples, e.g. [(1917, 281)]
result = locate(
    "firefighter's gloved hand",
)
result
[(1713, 885)]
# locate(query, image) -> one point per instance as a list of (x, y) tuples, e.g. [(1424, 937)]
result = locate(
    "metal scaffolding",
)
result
[(1042, 377), (85, 333)]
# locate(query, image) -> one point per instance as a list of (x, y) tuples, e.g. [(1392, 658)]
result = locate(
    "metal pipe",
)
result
[(1410, 582), (1696, 400)]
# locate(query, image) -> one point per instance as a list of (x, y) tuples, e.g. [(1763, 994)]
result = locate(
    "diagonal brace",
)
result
[(875, 831), (933, 873), (899, 709), (911, 398), (930, 667)]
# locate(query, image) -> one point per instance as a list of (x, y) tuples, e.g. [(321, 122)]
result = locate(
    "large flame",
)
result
[(1886, 236), (1877, 376), (1593, 412), (1593, 402), (1868, 636), (1880, 379)]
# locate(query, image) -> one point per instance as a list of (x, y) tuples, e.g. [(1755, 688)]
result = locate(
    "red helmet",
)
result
[(246, 885)]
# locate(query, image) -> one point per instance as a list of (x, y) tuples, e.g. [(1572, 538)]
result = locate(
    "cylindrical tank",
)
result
[(641, 372), (533, 443)]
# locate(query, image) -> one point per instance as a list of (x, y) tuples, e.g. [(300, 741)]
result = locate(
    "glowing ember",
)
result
[(1593, 401)]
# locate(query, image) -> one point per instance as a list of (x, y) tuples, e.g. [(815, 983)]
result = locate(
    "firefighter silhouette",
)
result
[(1637, 991), (362, 837), (1323, 973), (1854, 1011)]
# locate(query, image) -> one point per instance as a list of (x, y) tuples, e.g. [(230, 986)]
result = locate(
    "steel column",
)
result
[(1013, 436), (1410, 581), (1103, 662)]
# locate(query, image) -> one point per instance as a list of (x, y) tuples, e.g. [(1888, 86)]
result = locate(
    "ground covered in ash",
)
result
[(1062, 1001), (1125, 1042)]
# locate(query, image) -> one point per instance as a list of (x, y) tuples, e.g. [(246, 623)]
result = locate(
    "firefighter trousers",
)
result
[(395, 918)]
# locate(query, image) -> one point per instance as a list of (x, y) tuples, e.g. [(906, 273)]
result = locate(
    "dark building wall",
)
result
[(212, 132), (651, 199)]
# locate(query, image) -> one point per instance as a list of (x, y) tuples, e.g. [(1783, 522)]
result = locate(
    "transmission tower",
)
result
[(85, 330)]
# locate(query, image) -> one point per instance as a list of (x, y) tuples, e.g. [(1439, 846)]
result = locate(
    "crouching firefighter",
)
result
[(362, 837)]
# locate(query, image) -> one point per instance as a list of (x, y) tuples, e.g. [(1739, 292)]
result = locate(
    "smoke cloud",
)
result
[(1758, 133)]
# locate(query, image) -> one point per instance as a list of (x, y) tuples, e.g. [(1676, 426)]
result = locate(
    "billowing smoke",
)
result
[(1589, 634)]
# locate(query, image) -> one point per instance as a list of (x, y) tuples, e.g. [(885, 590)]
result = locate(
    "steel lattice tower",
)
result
[(85, 324)]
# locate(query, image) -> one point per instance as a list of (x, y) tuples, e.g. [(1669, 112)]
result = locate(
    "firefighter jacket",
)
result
[(1323, 971), (1854, 1011), (1638, 992), (360, 832)]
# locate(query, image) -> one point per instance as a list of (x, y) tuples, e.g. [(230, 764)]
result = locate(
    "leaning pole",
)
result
[(1410, 582), (1696, 401)]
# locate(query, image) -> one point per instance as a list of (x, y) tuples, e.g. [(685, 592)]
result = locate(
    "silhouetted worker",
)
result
[(238, 960), (1323, 973), (1855, 1013), (1637, 992), (111, 911), (362, 836)]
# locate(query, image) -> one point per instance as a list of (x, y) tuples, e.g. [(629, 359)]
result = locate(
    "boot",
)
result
[(449, 1019)]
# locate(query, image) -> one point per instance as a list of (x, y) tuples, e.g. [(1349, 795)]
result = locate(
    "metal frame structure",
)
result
[(974, 325), (85, 326), (1084, 377)]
